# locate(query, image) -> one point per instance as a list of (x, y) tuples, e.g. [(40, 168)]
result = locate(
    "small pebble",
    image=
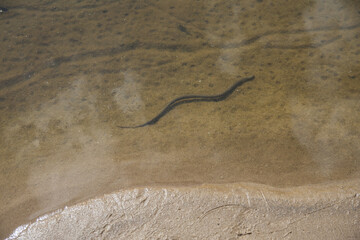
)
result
[(2, 9)]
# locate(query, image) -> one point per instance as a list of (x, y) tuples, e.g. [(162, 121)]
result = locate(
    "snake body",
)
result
[(193, 98)]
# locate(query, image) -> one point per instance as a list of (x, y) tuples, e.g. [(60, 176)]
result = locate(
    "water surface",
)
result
[(72, 72)]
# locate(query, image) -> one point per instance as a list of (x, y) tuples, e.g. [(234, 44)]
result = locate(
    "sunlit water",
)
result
[(71, 72)]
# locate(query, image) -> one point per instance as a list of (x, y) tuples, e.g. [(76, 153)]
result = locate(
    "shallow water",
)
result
[(72, 72)]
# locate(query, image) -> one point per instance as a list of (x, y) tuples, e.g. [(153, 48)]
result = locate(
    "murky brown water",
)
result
[(73, 71)]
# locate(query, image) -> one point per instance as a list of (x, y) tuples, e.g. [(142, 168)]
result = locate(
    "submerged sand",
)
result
[(72, 72)]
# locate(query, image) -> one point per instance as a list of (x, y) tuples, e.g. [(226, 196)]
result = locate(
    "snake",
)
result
[(193, 98)]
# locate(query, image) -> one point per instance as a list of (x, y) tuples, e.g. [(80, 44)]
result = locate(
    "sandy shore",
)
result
[(226, 211)]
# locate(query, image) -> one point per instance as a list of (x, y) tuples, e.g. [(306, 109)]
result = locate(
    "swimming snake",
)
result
[(193, 98)]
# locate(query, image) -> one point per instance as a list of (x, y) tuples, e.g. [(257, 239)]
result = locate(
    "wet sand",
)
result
[(72, 72), (226, 211)]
